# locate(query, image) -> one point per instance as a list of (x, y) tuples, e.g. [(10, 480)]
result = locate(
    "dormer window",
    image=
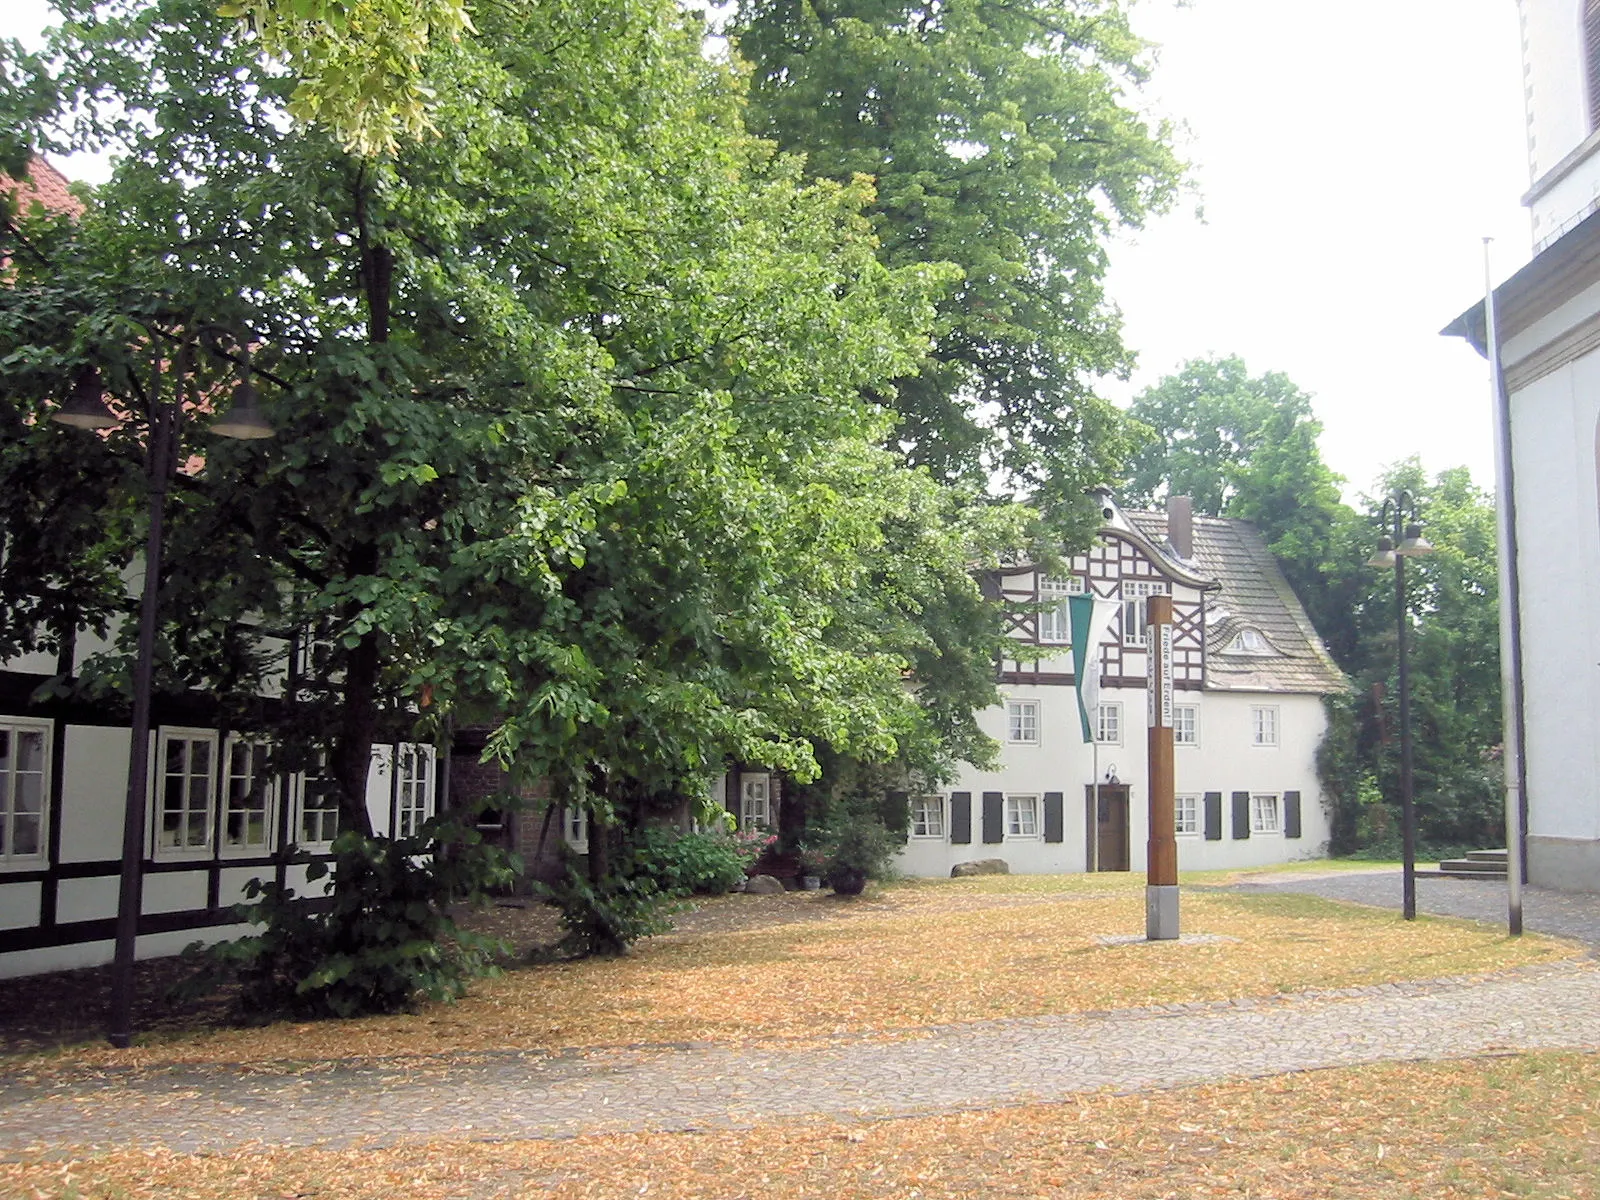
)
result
[(1250, 641)]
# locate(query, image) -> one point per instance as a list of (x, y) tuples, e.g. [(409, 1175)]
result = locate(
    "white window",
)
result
[(1249, 641), (1135, 617), (1263, 813), (575, 829), (249, 798), (187, 764), (1055, 619), (1108, 724), (415, 789), (1264, 725), (1022, 722), (1186, 815), (1186, 725), (755, 802), (319, 804), (927, 816), (24, 784), (1022, 816)]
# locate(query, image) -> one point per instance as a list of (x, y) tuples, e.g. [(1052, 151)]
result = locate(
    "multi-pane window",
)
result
[(927, 816), (1185, 725), (1186, 814), (1264, 725), (319, 805), (1022, 722), (415, 784), (1055, 619), (188, 766), (247, 798), (24, 756), (1263, 813), (755, 802), (1108, 724), (1022, 816), (575, 828), (1135, 617)]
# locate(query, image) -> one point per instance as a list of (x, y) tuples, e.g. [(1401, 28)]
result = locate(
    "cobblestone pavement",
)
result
[(968, 1066)]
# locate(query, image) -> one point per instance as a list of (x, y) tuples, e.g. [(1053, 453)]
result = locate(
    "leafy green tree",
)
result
[(574, 435), (999, 138), (1246, 446)]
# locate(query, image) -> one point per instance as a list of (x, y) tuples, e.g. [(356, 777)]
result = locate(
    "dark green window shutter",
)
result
[(960, 818), (1213, 816), (1291, 814), (1052, 817), (994, 829), (1241, 815)]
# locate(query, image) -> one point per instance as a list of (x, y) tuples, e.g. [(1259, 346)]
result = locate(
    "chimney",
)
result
[(1180, 526)]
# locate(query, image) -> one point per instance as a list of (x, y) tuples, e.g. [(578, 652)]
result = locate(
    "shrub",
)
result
[(608, 918), (854, 844), (683, 864), (382, 938)]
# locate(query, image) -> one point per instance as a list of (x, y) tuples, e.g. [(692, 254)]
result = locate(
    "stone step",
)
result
[(1494, 856), (1473, 868)]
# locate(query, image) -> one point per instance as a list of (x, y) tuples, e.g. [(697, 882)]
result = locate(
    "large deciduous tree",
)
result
[(1001, 138), (575, 435)]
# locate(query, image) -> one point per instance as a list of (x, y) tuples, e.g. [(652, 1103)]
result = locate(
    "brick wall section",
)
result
[(471, 781)]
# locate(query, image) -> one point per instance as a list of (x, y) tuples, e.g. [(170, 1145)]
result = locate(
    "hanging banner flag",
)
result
[(1091, 617)]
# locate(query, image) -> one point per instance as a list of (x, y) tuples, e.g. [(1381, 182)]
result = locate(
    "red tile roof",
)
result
[(45, 185)]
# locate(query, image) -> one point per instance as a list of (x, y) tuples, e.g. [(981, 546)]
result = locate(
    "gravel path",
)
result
[(967, 1066)]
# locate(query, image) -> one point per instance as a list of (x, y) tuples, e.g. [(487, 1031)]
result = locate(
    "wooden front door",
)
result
[(1108, 827)]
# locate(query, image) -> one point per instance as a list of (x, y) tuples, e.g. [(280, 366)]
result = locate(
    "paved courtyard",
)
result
[(975, 1065)]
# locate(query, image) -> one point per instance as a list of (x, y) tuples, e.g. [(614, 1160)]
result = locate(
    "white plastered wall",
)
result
[(1224, 761)]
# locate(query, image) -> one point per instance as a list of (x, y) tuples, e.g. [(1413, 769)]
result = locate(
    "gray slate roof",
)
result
[(1253, 594)]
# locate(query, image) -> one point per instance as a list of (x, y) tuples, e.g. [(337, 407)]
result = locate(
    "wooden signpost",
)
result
[(1161, 863)]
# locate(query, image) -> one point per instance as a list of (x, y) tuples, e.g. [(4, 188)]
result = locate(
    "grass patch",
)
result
[(911, 955), (1519, 1126)]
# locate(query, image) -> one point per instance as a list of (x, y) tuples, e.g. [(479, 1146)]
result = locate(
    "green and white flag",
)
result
[(1091, 616)]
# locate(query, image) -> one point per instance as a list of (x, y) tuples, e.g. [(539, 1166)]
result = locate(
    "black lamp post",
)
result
[(1393, 552), (87, 410)]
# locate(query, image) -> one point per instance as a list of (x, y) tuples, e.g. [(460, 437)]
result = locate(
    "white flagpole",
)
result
[(1510, 608)]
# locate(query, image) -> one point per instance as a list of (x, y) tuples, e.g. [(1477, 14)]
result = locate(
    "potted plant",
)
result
[(853, 847)]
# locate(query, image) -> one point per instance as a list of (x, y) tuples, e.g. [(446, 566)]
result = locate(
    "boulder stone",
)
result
[(763, 885), (981, 866)]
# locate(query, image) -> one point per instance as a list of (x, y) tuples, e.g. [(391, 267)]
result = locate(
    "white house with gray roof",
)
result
[(1250, 676)]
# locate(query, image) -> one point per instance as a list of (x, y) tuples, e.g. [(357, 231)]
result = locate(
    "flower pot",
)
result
[(847, 881)]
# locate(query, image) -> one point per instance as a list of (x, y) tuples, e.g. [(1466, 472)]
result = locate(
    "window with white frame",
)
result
[(755, 802), (1263, 813), (1108, 724), (1022, 816), (1186, 814), (319, 804), (1135, 617), (1055, 619), (1022, 722), (575, 829), (187, 762), (248, 796), (927, 816), (1250, 641), (1264, 725), (414, 785), (24, 784), (1185, 725)]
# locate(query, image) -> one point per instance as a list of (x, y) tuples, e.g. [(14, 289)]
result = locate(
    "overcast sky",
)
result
[(1348, 160)]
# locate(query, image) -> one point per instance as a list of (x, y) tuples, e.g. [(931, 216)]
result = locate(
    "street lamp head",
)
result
[(243, 419), (87, 408), (1385, 553), (1414, 545)]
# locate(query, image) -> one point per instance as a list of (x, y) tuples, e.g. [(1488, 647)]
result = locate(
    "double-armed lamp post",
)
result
[(1400, 514), (87, 410)]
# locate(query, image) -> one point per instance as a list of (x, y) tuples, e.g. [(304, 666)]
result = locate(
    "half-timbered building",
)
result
[(1249, 674)]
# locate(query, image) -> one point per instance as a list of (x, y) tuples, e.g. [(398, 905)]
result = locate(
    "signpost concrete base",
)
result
[(1161, 913)]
